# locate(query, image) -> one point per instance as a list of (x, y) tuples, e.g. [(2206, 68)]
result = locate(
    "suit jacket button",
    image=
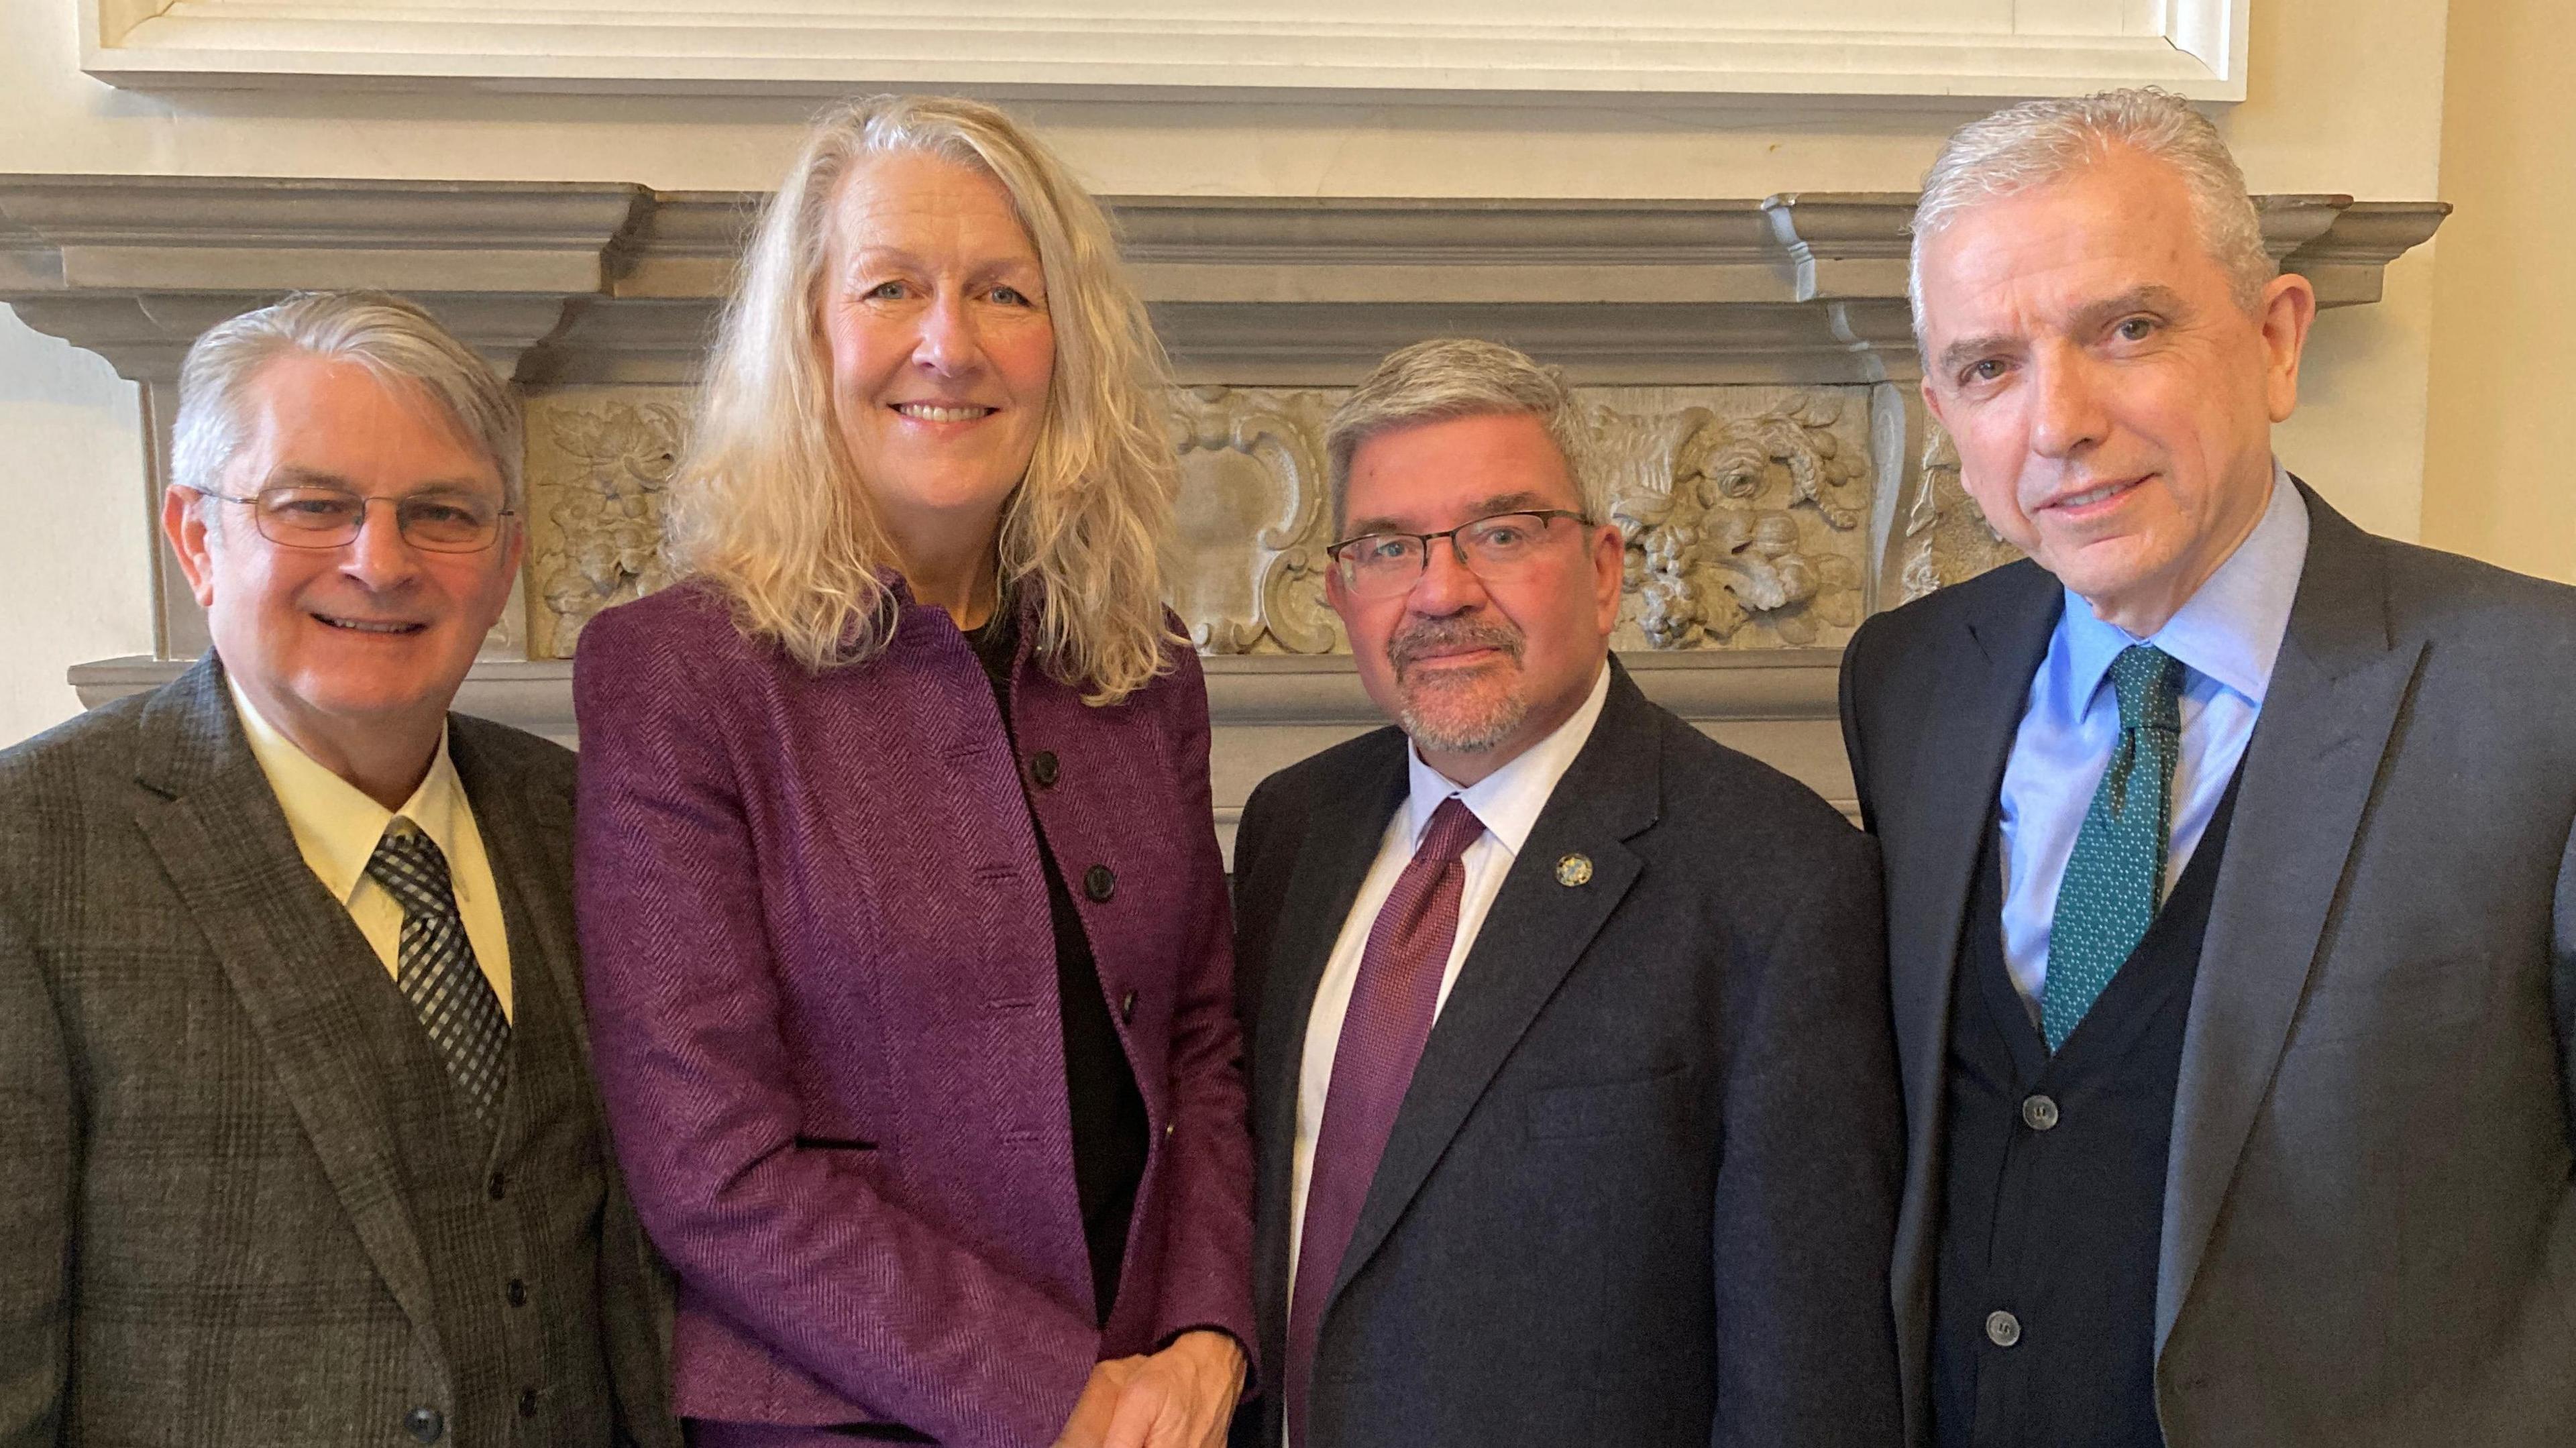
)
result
[(1127, 1010), (528, 1403), (2002, 1329), (2039, 1113), (425, 1424), (518, 1293), (1043, 769), (1099, 883)]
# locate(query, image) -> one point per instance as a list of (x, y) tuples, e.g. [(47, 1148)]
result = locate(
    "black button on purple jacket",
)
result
[(822, 980)]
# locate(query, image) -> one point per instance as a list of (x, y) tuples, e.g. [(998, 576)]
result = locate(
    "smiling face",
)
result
[(1476, 670), (335, 644), (2111, 401), (934, 315)]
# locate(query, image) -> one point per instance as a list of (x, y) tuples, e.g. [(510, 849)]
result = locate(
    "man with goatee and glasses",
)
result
[(1572, 1082)]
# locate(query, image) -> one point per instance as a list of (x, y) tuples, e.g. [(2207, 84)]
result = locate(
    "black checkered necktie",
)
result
[(437, 971)]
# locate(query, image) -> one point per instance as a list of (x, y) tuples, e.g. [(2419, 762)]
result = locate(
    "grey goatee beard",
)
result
[(1456, 715)]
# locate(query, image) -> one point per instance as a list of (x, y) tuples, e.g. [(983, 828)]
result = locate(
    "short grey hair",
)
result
[(2038, 142), (1453, 377), (393, 338)]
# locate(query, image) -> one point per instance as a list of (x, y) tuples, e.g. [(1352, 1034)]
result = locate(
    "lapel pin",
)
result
[(1573, 870)]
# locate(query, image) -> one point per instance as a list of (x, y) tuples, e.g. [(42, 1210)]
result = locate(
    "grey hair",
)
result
[(2042, 141), (1453, 377), (393, 338)]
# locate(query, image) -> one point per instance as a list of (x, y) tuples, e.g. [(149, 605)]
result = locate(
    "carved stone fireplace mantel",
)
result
[(1747, 368)]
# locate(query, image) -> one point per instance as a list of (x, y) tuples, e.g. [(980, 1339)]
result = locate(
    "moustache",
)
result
[(1448, 634)]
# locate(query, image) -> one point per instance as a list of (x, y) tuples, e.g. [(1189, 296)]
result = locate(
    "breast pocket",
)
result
[(1635, 1106)]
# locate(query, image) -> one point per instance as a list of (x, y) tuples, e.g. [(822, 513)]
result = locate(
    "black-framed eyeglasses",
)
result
[(306, 515), (1494, 548)]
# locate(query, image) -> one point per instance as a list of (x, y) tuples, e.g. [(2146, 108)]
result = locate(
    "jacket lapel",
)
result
[(1534, 934), (287, 948), (527, 835), (1339, 844), (2317, 748), (1959, 772)]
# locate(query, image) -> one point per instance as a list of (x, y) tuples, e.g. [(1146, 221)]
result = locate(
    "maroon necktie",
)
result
[(1392, 1002)]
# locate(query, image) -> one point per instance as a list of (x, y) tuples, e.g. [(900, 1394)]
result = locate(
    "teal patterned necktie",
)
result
[(2116, 877)]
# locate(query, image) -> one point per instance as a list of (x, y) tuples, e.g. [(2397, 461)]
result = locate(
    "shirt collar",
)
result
[(336, 826), (2229, 631), (1508, 801)]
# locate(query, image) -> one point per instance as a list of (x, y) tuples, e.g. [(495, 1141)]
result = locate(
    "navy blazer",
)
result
[(1641, 1188)]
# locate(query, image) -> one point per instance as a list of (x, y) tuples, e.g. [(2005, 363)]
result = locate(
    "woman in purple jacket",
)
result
[(905, 930)]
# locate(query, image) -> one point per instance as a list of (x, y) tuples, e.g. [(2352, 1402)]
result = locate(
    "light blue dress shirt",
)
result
[(2227, 636)]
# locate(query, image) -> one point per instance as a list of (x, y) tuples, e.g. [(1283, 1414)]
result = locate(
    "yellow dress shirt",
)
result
[(337, 826)]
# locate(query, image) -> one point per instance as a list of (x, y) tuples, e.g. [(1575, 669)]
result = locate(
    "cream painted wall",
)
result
[(2346, 95), (2496, 480), (73, 581)]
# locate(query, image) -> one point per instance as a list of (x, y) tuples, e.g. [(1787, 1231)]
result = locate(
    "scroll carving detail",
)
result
[(1253, 462)]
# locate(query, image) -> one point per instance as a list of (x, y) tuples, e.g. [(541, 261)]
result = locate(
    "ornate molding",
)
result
[(1743, 506), (1248, 568), (1333, 49), (1947, 538), (1743, 522), (597, 462)]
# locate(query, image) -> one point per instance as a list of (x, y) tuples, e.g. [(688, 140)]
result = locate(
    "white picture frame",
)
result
[(1441, 50)]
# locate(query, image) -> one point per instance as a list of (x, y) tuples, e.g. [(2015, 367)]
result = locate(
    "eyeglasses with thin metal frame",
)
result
[(1494, 548), (302, 515)]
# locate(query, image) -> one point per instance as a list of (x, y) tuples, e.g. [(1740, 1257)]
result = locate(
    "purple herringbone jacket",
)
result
[(822, 987)]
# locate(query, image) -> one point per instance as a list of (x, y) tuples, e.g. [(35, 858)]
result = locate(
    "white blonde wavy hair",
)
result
[(767, 504)]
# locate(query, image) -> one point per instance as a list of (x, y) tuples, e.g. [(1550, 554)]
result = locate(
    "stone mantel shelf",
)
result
[(1745, 368), (1768, 686), (603, 282)]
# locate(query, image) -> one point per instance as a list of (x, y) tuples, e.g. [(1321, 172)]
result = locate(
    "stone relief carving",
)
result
[(1947, 537), (1743, 521), (1252, 473), (1743, 508), (598, 460)]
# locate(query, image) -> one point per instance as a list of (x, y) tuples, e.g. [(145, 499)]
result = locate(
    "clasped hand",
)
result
[(1181, 1397)]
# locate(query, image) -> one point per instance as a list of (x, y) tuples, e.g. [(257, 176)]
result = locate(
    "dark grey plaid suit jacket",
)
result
[(206, 1236)]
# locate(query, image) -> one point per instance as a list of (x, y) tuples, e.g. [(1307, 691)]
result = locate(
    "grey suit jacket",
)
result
[(1641, 1186), (2369, 1224), (204, 1238)]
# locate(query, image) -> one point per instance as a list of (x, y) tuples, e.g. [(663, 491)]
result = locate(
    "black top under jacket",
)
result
[(2044, 1310), (1110, 1135)]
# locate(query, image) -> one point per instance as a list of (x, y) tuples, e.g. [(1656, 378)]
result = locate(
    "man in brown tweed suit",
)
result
[(300, 1143)]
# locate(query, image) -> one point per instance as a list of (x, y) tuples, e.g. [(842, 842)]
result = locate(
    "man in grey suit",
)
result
[(294, 1093), (1572, 1084), (2231, 863)]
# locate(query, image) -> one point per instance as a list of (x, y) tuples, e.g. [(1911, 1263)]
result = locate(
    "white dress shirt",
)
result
[(2227, 636), (1508, 802), (336, 827)]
